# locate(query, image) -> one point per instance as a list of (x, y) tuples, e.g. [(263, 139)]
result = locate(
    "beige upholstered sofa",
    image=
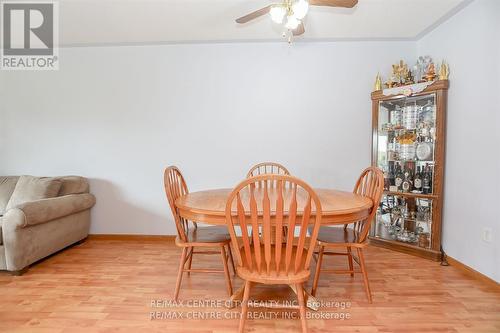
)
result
[(40, 216)]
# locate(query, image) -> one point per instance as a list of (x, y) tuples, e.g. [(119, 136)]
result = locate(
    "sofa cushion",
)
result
[(73, 185), (7, 185), (29, 188)]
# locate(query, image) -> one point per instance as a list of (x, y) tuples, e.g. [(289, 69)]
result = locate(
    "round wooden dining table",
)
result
[(338, 207)]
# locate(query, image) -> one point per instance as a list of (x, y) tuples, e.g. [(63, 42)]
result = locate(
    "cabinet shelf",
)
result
[(406, 248), (413, 160), (412, 195)]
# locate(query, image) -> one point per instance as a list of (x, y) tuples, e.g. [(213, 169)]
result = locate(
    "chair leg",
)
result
[(190, 260), (349, 257), (318, 269), (226, 271), (231, 258), (365, 274), (179, 274), (244, 306), (302, 306)]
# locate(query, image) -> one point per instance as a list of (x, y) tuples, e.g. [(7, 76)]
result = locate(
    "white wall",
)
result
[(119, 115), (470, 41)]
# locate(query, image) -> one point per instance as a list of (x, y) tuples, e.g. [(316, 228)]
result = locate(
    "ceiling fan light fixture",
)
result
[(292, 23), (300, 9), (277, 14), (295, 12)]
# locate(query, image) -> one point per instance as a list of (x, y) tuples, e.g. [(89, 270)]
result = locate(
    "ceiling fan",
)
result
[(292, 13)]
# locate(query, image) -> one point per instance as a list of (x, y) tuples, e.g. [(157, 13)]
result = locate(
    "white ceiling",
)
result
[(96, 22)]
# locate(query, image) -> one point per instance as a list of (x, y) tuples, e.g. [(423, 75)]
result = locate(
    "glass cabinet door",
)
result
[(405, 143)]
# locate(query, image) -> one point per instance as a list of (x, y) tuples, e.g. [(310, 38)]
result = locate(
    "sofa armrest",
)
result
[(45, 210)]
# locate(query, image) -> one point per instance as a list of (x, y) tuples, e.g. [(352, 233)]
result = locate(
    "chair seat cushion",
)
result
[(337, 235), (215, 234), (273, 277)]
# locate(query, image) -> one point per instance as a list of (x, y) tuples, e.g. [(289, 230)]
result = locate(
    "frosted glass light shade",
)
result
[(292, 23), (300, 9), (277, 14)]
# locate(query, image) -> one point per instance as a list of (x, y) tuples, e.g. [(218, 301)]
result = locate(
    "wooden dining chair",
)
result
[(369, 184), (191, 236), (267, 259), (267, 168)]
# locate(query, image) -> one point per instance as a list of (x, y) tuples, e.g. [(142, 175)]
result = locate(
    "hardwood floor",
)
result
[(106, 285)]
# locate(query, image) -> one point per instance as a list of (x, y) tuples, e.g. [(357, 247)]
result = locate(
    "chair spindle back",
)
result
[(175, 186), (370, 184), (266, 168), (292, 204)]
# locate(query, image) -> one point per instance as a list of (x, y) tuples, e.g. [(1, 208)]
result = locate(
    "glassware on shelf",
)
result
[(423, 130), (397, 117), (426, 120), (410, 116), (407, 152), (392, 147), (427, 113), (404, 219), (423, 213), (406, 146), (386, 127), (403, 236)]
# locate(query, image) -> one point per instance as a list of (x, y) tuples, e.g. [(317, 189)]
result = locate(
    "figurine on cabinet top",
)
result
[(430, 74), (444, 71), (420, 68), (378, 82), (400, 75)]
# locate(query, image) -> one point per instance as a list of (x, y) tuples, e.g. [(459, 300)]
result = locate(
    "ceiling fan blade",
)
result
[(299, 30), (254, 15), (334, 3)]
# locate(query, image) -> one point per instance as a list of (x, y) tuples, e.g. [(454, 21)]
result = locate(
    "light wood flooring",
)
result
[(107, 285)]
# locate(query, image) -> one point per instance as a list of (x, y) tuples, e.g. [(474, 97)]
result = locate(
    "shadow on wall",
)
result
[(112, 214)]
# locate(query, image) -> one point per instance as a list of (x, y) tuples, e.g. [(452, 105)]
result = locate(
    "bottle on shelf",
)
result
[(407, 184), (427, 180), (411, 168), (417, 182), (398, 182), (386, 179), (391, 174), (431, 175), (391, 147)]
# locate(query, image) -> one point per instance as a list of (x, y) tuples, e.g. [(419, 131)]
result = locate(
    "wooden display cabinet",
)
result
[(408, 125)]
